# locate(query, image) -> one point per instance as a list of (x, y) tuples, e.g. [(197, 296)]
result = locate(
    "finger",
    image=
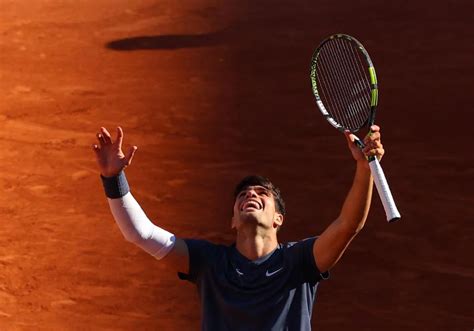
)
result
[(372, 145), (130, 154), (101, 139), (106, 134), (349, 136), (119, 137), (377, 152), (375, 128), (374, 136), (96, 148)]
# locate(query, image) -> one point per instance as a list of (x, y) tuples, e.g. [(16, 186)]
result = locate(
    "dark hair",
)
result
[(255, 180)]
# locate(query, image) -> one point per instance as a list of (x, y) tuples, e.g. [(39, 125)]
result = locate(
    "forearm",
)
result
[(357, 203), (332, 243), (132, 220)]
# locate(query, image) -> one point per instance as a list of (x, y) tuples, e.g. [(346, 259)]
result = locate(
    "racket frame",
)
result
[(380, 180)]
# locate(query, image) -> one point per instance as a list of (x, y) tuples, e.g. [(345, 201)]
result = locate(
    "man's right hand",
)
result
[(109, 155)]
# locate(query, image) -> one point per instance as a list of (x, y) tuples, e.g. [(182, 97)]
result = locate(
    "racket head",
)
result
[(344, 83)]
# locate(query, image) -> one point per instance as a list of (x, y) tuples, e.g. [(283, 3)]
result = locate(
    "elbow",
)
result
[(356, 232), (359, 227), (351, 225), (355, 229), (352, 229), (133, 237)]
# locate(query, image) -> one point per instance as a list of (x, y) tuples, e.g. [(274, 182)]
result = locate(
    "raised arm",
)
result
[(129, 216), (332, 243)]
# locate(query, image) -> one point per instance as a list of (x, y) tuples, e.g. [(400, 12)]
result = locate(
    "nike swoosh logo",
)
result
[(269, 274)]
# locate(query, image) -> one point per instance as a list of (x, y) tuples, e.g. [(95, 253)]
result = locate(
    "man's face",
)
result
[(256, 205)]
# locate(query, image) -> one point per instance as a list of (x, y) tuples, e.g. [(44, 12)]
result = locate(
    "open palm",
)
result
[(110, 157)]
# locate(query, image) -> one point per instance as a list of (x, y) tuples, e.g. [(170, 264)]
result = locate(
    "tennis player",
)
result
[(256, 283)]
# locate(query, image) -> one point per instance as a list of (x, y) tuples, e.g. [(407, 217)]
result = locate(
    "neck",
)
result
[(254, 244)]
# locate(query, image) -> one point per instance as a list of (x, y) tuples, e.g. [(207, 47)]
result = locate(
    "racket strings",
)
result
[(350, 83), (344, 84), (341, 77), (352, 106), (333, 89), (360, 91)]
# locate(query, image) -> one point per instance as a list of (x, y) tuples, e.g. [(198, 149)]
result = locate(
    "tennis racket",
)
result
[(344, 83)]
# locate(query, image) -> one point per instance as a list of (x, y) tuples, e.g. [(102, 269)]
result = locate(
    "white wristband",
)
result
[(138, 229)]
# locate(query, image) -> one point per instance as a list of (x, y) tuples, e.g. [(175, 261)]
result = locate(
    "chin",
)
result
[(249, 216)]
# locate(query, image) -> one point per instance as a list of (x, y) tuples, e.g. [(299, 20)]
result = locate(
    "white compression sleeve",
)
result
[(138, 229)]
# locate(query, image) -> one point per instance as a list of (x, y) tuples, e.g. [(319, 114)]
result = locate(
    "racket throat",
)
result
[(361, 145), (359, 142)]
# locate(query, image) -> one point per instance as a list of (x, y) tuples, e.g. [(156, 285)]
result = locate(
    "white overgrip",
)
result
[(381, 184)]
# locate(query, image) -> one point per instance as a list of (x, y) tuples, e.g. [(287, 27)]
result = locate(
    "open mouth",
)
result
[(251, 204)]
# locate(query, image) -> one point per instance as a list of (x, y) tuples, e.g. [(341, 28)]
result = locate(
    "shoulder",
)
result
[(306, 243), (201, 244), (298, 251), (300, 255), (203, 255), (205, 250)]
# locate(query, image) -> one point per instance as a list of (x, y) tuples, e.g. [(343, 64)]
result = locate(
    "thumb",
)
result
[(130, 154), (349, 136)]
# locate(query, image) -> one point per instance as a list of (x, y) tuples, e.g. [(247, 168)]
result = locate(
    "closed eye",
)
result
[(264, 192)]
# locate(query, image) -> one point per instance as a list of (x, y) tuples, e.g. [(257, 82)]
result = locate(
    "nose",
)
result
[(250, 193)]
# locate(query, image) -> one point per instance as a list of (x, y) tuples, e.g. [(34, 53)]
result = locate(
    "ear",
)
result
[(232, 223), (278, 220)]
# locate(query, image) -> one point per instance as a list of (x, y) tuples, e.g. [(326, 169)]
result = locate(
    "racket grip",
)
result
[(381, 184)]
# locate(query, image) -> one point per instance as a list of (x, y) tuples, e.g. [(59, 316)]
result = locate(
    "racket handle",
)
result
[(381, 184)]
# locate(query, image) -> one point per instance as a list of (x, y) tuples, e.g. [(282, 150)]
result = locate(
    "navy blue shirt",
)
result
[(275, 292)]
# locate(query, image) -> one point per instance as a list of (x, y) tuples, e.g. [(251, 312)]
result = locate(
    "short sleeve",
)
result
[(306, 262), (201, 253)]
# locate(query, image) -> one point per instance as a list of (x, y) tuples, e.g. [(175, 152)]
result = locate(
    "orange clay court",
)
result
[(211, 91)]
